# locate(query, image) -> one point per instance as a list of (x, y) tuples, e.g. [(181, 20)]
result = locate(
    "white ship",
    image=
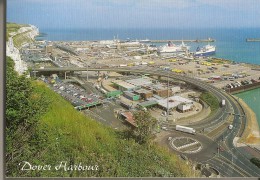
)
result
[(173, 48), (205, 51)]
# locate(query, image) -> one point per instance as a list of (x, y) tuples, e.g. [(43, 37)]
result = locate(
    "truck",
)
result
[(123, 65), (103, 90), (185, 129), (223, 102)]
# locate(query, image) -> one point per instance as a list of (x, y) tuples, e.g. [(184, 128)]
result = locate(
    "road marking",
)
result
[(223, 168), (228, 164), (234, 165)]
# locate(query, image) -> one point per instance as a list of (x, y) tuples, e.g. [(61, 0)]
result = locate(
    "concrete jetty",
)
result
[(253, 40), (189, 40)]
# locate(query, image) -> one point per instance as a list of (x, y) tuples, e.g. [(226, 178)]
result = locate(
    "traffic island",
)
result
[(185, 145)]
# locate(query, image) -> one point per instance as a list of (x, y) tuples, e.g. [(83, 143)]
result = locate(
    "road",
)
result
[(236, 163)]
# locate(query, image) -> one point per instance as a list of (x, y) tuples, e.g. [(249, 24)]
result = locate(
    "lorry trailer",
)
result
[(185, 129), (223, 102)]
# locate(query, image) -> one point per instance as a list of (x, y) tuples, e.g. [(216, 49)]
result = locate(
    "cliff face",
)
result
[(13, 51)]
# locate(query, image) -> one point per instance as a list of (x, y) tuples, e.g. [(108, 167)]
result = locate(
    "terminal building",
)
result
[(124, 86), (132, 96), (175, 101), (144, 94), (144, 81), (185, 107)]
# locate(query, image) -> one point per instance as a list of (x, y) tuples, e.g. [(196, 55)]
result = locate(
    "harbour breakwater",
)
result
[(244, 88), (253, 40), (189, 40)]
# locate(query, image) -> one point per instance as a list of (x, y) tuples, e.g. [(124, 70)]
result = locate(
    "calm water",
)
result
[(231, 43), (252, 98)]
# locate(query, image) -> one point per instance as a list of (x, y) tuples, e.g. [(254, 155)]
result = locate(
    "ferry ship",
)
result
[(145, 40), (172, 48), (205, 51)]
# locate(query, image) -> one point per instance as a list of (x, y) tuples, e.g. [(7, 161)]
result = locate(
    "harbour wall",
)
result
[(244, 88)]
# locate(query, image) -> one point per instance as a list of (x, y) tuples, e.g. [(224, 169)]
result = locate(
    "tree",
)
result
[(145, 125)]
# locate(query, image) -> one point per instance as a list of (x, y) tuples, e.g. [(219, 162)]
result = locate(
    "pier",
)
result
[(189, 40), (253, 40)]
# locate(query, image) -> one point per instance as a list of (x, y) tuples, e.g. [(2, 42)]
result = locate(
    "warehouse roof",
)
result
[(129, 117), (140, 81), (140, 91), (124, 84), (148, 103), (173, 101), (129, 93), (157, 86)]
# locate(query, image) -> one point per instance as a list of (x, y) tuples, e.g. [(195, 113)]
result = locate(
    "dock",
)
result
[(253, 40), (189, 40), (255, 69)]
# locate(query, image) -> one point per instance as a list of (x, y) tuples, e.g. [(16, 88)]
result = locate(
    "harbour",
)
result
[(251, 98), (165, 40), (140, 88), (189, 40)]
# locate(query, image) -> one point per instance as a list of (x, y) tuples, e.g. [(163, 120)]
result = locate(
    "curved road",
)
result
[(234, 163)]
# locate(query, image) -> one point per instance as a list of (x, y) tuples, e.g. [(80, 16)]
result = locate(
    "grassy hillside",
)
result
[(18, 39), (74, 138), (21, 38), (11, 28), (44, 129)]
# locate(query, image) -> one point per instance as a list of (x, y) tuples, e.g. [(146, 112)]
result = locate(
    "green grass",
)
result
[(73, 137), (211, 100), (18, 39), (12, 27), (64, 134), (21, 38)]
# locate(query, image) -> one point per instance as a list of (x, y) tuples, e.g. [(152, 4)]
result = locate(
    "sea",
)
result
[(252, 98), (230, 44)]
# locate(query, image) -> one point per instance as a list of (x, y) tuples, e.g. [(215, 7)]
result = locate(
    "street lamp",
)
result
[(232, 156), (218, 149), (87, 72), (167, 115)]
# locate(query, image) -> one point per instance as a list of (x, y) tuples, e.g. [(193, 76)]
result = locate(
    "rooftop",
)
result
[(157, 86), (140, 91), (124, 84), (148, 103), (129, 117), (129, 93), (173, 101), (140, 81)]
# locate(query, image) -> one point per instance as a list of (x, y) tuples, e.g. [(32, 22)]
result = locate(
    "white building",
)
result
[(173, 102), (176, 89), (185, 107)]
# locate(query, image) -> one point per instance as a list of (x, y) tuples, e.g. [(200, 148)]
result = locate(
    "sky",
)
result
[(135, 13)]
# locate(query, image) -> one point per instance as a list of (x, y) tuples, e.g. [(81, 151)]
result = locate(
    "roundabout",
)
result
[(185, 145), (204, 148)]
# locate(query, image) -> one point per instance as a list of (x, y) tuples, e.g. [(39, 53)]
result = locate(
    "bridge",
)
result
[(216, 118)]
